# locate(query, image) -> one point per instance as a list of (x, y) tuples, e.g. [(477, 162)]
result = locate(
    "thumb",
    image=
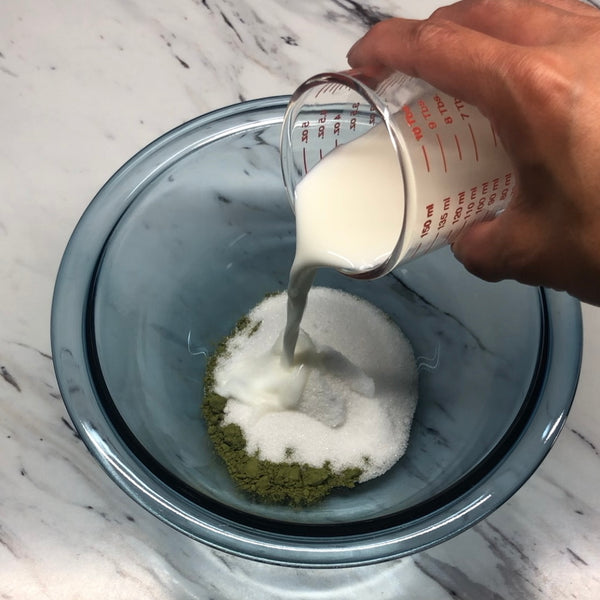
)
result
[(510, 246)]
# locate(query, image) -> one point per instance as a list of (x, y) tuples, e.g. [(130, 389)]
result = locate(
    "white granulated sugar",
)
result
[(351, 401)]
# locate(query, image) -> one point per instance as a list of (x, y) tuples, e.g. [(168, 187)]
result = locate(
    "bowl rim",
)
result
[(72, 330)]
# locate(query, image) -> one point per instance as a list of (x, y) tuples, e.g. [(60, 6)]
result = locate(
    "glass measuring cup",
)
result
[(454, 169)]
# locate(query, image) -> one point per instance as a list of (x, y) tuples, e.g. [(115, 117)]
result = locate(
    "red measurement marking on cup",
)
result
[(414, 251), (494, 135), (328, 88), (426, 158), (437, 235), (458, 147), (474, 142), (426, 230), (321, 153), (304, 159), (386, 84), (437, 135)]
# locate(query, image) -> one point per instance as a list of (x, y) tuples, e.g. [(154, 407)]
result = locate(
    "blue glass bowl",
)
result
[(181, 242)]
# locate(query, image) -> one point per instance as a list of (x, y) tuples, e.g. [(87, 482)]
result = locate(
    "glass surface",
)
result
[(191, 234)]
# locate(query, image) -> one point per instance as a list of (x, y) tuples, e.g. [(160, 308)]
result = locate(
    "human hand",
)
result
[(533, 68)]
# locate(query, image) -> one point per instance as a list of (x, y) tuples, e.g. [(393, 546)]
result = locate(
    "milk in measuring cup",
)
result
[(350, 207)]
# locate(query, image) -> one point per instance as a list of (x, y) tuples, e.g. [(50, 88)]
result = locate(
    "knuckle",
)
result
[(387, 29), (538, 87), (472, 260), (382, 27), (479, 268), (443, 12), (472, 11), (521, 261), (543, 74), (433, 33), (463, 9)]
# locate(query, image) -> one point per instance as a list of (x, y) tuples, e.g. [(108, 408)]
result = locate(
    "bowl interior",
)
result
[(203, 238)]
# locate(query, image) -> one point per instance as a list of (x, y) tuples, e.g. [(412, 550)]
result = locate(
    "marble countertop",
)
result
[(83, 86)]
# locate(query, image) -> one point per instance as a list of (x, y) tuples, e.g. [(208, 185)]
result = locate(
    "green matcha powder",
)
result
[(293, 483)]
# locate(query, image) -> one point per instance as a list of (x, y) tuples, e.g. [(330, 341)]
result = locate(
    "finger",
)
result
[(511, 246), (576, 7), (525, 22), (482, 251), (531, 251), (453, 58)]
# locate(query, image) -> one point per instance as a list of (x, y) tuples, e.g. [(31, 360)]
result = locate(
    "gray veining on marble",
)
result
[(83, 86)]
